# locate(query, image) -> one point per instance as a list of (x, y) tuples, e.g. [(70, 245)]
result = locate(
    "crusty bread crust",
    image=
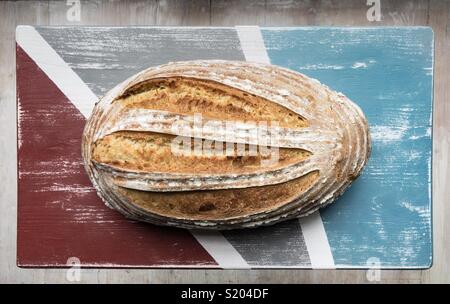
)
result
[(151, 152), (218, 204), (322, 145), (211, 99)]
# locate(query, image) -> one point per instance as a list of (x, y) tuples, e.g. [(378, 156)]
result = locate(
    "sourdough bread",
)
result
[(223, 145)]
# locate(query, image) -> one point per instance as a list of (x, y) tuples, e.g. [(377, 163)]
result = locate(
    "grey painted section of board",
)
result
[(105, 56), (287, 246)]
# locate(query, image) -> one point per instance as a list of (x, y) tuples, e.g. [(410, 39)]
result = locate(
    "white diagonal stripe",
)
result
[(252, 44), (314, 233), (316, 241), (84, 100), (74, 88), (214, 242), (56, 69), (220, 249)]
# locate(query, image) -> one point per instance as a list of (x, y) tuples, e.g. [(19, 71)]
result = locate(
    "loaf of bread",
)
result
[(223, 145)]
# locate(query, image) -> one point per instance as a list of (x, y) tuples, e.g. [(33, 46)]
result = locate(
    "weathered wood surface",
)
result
[(433, 13), (386, 214)]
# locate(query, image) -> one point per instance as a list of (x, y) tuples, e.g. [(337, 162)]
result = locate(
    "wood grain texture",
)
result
[(435, 13), (66, 190)]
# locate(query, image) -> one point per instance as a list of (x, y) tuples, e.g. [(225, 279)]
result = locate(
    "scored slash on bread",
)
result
[(322, 143)]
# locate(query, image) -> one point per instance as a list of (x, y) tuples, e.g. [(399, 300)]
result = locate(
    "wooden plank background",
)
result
[(435, 13)]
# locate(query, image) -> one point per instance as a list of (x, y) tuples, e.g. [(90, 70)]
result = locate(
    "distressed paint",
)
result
[(313, 233), (56, 69), (60, 214), (388, 72), (105, 56), (79, 45), (355, 62), (288, 248)]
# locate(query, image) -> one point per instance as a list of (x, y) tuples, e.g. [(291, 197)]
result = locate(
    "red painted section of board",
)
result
[(59, 214)]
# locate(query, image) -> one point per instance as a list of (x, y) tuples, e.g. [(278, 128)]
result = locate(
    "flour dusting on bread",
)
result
[(223, 145)]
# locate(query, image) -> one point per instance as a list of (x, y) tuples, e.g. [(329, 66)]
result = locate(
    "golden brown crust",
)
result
[(152, 152), (210, 99), (322, 145), (218, 204)]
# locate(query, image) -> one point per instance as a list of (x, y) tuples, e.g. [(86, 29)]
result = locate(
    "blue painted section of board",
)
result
[(386, 214)]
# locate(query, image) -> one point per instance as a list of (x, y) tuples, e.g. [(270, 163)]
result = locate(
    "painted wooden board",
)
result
[(383, 219)]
